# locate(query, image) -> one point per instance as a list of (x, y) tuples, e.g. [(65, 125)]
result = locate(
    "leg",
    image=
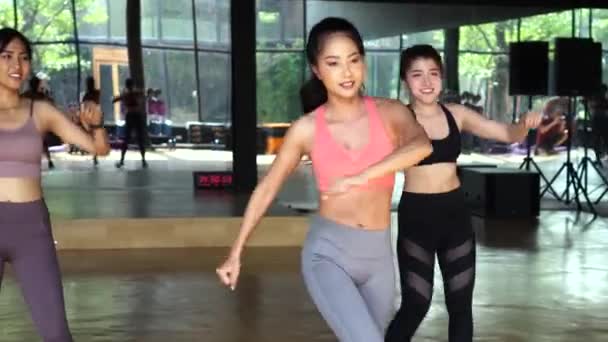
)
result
[(37, 272), (129, 126), (1, 271), (47, 152), (416, 257), (141, 138), (416, 269), (379, 292), (457, 262), (338, 299)]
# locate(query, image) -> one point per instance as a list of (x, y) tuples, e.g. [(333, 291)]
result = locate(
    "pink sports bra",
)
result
[(331, 161)]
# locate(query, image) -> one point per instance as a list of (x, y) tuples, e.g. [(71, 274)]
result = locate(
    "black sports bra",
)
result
[(445, 150)]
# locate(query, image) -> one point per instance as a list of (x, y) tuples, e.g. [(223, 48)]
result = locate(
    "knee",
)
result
[(416, 304), (459, 303)]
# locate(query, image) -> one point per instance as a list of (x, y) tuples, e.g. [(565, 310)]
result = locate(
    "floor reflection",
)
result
[(537, 281)]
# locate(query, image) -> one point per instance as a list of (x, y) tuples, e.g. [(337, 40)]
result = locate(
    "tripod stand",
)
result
[(583, 166), (528, 160), (572, 178)]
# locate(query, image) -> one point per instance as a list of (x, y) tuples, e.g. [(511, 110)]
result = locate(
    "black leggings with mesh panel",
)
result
[(429, 225)]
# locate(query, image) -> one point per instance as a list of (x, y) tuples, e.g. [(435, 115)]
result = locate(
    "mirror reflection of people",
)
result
[(597, 104), (132, 100), (553, 129), (92, 94)]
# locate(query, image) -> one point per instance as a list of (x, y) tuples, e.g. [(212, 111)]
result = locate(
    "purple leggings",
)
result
[(26, 241)]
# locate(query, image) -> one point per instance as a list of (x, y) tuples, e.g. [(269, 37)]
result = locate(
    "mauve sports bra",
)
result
[(21, 150)]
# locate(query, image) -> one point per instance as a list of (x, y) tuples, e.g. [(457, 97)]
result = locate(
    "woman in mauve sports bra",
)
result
[(346, 258), (26, 239)]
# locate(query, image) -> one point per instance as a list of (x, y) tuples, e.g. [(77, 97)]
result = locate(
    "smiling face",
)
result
[(423, 79), (14, 65), (340, 66)]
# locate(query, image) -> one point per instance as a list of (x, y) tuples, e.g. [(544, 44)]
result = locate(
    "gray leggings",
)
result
[(350, 276)]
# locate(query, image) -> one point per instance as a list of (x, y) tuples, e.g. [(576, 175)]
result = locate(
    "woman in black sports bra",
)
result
[(433, 219)]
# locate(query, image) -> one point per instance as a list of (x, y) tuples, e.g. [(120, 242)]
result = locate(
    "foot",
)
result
[(51, 165), (144, 164), (119, 164)]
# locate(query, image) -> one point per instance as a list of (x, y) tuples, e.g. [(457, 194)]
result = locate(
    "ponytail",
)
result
[(312, 94)]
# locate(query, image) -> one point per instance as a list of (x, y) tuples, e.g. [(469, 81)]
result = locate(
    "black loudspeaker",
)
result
[(529, 68), (578, 66), (501, 192)]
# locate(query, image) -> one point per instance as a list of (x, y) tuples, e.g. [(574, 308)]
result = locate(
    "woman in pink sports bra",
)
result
[(26, 239), (346, 259)]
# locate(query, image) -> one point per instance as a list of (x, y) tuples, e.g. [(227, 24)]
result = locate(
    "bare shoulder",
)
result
[(303, 128), (45, 113), (44, 109), (392, 110), (457, 109), (387, 105)]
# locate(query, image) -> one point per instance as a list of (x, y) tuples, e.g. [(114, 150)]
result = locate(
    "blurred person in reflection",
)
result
[(132, 100), (92, 94), (347, 261), (552, 131), (597, 105)]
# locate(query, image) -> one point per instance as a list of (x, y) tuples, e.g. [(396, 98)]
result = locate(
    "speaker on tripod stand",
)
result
[(577, 73), (529, 76)]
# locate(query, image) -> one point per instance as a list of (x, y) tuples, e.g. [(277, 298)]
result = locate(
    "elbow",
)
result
[(424, 150), (424, 147), (103, 151), (517, 138)]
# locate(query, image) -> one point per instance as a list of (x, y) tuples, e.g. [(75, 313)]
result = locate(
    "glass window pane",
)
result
[(176, 23), (582, 22), (280, 23), (57, 62), (547, 27), (118, 15), (180, 95), (390, 43), (154, 69), (487, 75), (279, 78), (434, 38), (7, 14), (224, 22), (215, 85), (600, 26), (93, 20), (382, 74), (605, 68), (45, 20), (150, 21), (493, 37), (213, 23)]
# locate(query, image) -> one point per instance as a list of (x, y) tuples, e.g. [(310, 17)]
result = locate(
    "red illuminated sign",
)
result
[(213, 180)]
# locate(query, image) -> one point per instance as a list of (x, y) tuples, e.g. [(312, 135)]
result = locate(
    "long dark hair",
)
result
[(90, 84), (409, 55), (313, 93), (8, 34)]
